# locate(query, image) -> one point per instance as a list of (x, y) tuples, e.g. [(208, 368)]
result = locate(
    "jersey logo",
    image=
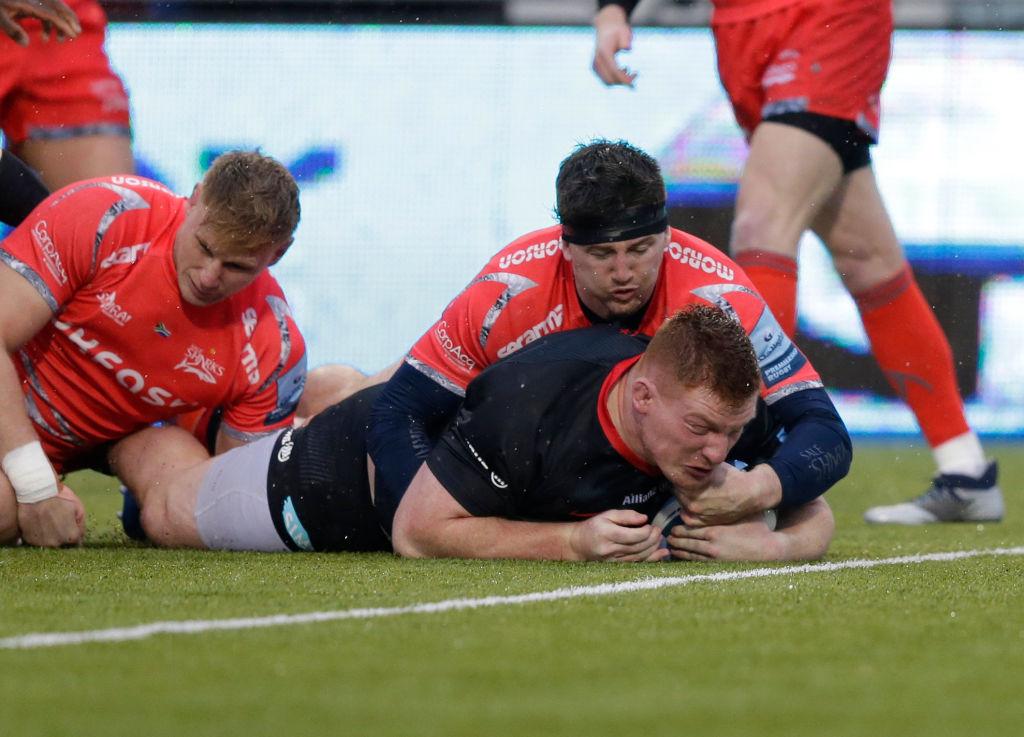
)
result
[(125, 255), (498, 481), (700, 261), (196, 363), (454, 351), (531, 252), (41, 237), (162, 330), (639, 498), (550, 324), (110, 308)]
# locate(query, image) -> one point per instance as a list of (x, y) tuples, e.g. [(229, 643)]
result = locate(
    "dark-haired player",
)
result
[(612, 259)]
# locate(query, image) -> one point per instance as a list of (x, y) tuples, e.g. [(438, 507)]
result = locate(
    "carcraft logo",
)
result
[(700, 261), (550, 324), (531, 252), (125, 255), (110, 308), (196, 363), (454, 351), (41, 237)]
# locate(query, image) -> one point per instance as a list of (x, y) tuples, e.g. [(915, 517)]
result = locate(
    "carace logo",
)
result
[(551, 324), (202, 366), (132, 380), (41, 237), (700, 261), (452, 350), (531, 252), (125, 255)]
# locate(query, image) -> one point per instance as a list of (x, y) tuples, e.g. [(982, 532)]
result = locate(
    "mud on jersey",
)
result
[(123, 349), (527, 291)]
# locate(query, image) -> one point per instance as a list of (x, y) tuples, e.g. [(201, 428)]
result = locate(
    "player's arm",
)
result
[(613, 34), (430, 523), (274, 382), (815, 454), (55, 16), (803, 533), (405, 418), (43, 517)]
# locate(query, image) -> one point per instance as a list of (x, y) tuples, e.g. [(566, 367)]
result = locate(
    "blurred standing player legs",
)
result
[(64, 111), (804, 80)]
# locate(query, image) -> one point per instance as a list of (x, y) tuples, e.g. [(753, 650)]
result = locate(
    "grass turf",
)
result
[(929, 648)]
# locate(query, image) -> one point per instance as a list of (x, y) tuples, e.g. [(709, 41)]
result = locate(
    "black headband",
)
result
[(633, 222)]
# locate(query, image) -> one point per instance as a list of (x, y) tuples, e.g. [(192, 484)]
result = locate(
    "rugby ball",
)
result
[(670, 515)]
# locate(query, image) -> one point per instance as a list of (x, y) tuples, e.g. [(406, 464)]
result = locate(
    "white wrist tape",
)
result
[(30, 473)]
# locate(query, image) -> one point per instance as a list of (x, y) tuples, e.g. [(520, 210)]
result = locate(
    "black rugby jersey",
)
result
[(528, 442)]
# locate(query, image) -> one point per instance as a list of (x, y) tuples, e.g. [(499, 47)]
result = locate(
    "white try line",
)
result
[(142, 631)]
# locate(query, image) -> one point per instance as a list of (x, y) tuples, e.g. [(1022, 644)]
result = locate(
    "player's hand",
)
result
[(53, 522), (617, 535), (748, 539), (732, 495), (614, 34), (57, 18)]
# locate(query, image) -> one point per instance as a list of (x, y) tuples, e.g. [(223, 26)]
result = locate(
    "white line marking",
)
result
[(142, 631)]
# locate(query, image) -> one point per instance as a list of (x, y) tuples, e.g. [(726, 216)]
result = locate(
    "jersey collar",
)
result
[(605, 418)]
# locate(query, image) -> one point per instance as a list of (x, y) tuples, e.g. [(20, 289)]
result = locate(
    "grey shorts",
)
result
[(232, 511)]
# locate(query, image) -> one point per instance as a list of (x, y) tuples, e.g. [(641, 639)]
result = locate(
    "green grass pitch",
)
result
[(934, 647)]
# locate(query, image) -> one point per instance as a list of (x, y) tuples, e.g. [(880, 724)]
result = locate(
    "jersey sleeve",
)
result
[(60, 244), (480, 459), (273, 370), (699, 271)]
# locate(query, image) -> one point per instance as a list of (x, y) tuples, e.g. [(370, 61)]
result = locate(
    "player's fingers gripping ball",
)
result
[(670, 515)]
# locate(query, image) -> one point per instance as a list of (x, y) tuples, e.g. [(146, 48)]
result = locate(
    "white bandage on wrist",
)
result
[(30, 473)]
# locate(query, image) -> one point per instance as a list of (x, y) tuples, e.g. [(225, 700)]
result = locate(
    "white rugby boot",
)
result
[(951, 498)]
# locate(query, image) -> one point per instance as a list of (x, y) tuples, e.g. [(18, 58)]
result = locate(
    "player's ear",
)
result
[(642, 394), (566, 253), (196, 196), (281, 250)]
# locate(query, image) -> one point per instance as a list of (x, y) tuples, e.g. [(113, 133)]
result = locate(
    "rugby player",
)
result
[(121, 305), (612, 259), (804, 79), (564, 450)]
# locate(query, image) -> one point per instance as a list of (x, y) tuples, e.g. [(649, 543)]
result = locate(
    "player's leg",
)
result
[(788, 174), (912, 351), (62, 161), (164, 467), (327, 385)]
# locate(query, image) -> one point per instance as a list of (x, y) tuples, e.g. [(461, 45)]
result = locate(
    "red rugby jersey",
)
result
[(123, 349), (527, 290)]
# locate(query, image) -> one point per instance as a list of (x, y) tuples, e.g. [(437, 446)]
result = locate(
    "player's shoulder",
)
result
[(532, 251), (691, 257)]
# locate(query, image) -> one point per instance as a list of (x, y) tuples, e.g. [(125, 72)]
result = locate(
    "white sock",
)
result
[(962, 455)]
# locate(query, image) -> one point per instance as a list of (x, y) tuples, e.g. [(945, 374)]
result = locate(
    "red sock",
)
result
[(775, 277), (914, 354)]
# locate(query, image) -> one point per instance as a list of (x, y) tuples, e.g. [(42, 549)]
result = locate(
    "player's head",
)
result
[(694, 390), (611, 203), (240, 220)]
